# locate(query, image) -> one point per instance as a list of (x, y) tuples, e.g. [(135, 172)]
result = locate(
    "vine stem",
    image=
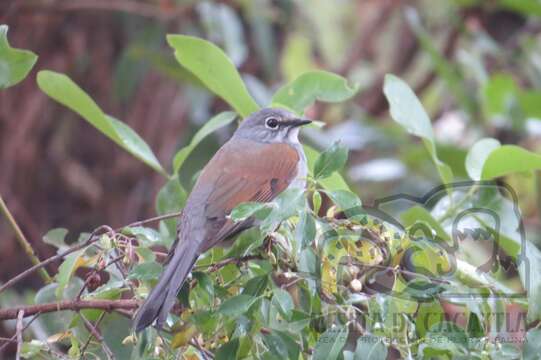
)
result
[(27, 247)]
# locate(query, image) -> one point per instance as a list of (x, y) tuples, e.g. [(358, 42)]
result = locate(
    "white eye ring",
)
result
[(272, 123)]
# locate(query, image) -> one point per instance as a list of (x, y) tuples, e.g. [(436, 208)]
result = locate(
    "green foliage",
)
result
[(15, 64)]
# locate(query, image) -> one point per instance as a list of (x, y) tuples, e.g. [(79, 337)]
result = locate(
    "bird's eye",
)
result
[(271, 123)]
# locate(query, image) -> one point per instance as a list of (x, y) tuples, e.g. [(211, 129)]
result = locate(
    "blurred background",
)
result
[(475, 65)]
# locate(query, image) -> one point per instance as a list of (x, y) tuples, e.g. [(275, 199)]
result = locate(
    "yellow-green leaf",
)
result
[(62, 89)]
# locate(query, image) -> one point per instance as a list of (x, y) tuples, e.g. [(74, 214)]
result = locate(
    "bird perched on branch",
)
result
[(262, 159)]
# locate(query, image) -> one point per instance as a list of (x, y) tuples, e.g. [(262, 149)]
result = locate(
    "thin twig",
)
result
[(20, 316), (27, 247), (220, 264), (153, 219), (204, 352), (91, 239), (107, 305), (83, 348), (96, 333)]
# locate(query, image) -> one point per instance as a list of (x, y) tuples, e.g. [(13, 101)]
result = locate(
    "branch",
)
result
[(73, 305), (27, 247), (91, 239)]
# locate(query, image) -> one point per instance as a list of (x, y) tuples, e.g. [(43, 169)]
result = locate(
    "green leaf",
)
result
[(62, 89), (74, 351), (205, 282), (331, 160), (346, 201), (15, 64), (284, 302), (228, 351), (475, 328), (66, 270), (532, 345), (247, 240), (145, 235), (30, 350), (370, 347), (212, 66), (245, 210), (305, 232), (447, 337), (417, 214), (407, 110), (218, 121), (282, 345), (56, 237), (237, 305), (477, 156), (330, 343), (529, 270), (333, 182), (498, 94), (529, 103), (509, 159), (287, 204), (135, 145), (145, 271), (313, 86), (429, 313), (255, 286)]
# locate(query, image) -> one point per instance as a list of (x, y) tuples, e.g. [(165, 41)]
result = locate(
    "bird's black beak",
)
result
[(297, 122)]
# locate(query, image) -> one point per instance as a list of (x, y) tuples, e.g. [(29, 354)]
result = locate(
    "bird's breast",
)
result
[(302, 168)]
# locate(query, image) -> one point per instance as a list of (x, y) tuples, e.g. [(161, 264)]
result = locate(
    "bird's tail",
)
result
[(162, 298)]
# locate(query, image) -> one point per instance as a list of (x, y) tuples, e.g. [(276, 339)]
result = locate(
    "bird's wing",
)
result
[(244, 171)]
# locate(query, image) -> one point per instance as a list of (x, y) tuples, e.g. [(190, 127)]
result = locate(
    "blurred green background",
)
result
[(475, 65)]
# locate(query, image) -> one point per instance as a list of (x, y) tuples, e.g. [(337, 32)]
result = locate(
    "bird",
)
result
[(262, 159)]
